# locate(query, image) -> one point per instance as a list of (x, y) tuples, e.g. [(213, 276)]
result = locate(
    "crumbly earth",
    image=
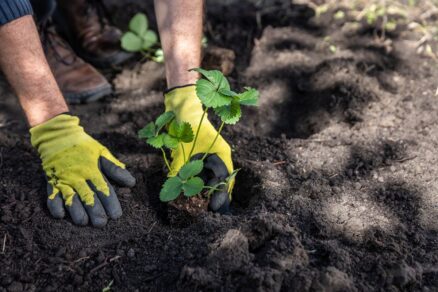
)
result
[(337, 190)]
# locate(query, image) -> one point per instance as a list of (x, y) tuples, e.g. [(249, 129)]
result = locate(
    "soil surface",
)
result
[(338, 189)]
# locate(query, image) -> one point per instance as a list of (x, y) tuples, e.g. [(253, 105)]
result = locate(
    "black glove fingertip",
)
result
[(217, 200), (56, 207), (215, 164), (119, 175), (225, 208), (97, 213), (77, 212), (110, 203)]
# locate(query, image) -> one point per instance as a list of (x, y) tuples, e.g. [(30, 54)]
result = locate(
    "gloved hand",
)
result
[(187, 107), (77, 167)]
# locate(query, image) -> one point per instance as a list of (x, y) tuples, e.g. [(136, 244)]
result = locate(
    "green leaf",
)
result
[(131, 42), (190, 169), (148, 131), (229, 114), (215, 77), (182, 131), (232, 175), (249, 97), (157, 142), (171, 189), (209, 96), (186, 133), (158, 56), (193, 186), (139, 24), (164, 119), (149, 39), (208, 89), (170, 142), (227, 92)]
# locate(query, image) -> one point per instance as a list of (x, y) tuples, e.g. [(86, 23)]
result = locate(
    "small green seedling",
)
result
[(383, 16), (108, 287), (167, 132), (204, 42), (339, 15), (158, 56), (141, 39)]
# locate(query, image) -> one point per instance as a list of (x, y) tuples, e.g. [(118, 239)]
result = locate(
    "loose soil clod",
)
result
[(184, 211)]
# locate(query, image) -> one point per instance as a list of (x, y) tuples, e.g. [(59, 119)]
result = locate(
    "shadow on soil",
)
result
[(333, 91)]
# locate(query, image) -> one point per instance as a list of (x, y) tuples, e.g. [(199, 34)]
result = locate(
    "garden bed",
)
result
[(337, 189)]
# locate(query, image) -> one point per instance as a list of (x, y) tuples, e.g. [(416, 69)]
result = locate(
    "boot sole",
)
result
[(88, 96)]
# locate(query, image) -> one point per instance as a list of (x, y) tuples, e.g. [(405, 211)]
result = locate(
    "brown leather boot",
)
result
[(79, 81), (88, 30)]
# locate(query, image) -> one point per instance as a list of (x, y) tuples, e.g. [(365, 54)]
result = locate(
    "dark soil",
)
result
[(337, 192)]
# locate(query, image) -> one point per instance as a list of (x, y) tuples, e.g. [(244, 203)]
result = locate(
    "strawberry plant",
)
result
[(141, 39), (214, 92)]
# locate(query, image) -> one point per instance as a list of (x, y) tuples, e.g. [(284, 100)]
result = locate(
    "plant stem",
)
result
[(165, 158), (214, 141), (184, 153), (145, 56), (215, 187), (197, 133)]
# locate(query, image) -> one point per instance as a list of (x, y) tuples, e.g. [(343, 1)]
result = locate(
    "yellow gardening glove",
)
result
[(187, 107), (76, 167)]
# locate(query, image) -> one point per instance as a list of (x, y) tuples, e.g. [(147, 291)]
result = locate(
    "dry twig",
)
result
[(4, 244)]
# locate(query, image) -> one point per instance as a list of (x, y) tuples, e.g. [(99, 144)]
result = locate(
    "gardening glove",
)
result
[(187, 107), (77, 168)]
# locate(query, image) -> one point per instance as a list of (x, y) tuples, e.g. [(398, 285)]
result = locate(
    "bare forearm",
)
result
[(23, 62), (180, 27)]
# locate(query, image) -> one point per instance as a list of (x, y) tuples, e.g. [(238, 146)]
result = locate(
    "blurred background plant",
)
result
[(385, 18), (140, 39)]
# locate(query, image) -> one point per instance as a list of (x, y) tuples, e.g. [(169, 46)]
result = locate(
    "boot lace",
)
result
[(51, 42), (98, 8)]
